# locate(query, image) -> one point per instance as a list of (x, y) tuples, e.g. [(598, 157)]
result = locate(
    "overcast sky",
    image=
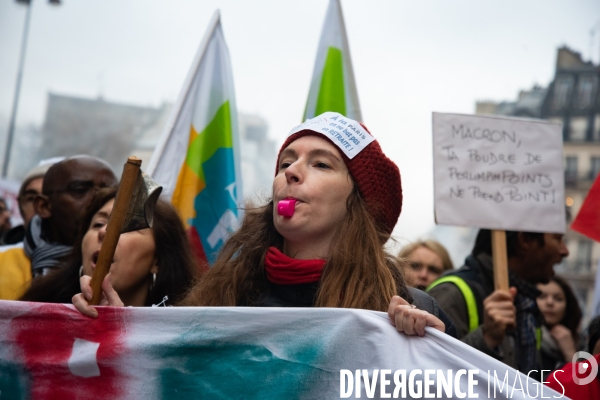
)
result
[(410, 58)]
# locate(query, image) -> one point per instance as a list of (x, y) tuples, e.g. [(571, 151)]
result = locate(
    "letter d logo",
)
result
[(589, 365)]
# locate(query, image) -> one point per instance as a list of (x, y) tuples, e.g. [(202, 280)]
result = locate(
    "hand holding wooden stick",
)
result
[(130, 175)]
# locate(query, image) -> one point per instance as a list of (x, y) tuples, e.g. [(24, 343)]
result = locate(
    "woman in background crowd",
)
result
[(5, 223), (320, 240), (148, 264), (426, 260), (562, 315)]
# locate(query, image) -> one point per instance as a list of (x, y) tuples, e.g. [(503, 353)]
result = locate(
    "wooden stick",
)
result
[(500, 260), (131, 171)]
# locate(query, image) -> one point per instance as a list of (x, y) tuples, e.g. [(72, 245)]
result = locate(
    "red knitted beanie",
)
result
[(377, 178)]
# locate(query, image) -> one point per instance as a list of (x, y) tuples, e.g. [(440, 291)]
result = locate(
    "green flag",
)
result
[(332, 87)]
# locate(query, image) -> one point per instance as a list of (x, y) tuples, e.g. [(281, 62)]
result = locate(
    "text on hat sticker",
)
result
[(345, 133)]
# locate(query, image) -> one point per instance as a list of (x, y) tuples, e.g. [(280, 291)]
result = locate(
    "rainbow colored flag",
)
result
[(197, 158), (51, 351), (332, 86)]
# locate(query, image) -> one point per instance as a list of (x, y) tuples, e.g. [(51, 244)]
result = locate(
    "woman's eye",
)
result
[(415, 265), (322, 165), (284, 165), (98, 224)]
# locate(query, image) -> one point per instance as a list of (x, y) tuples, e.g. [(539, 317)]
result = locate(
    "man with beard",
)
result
[(503, 324)]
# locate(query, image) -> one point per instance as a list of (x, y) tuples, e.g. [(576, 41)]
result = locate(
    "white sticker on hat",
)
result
[(346, 133)]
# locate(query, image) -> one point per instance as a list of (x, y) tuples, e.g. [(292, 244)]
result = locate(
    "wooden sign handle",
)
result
[(500, 260), (131, 171)]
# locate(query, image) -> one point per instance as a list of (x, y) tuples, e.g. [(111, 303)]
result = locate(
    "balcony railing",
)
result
[(570, 179)]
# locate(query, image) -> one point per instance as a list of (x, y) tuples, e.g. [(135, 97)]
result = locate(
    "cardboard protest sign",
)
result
[(498, 173)]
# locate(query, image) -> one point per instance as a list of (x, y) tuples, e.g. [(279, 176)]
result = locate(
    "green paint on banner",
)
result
[(217, 134), (200, 364), (14, 381), (332, 95)]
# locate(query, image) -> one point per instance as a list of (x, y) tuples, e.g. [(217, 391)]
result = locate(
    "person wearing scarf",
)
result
[(44, 256), (67, 190), (508, 322), (346, 198)]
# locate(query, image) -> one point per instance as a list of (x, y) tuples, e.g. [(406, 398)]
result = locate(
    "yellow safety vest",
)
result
[(471, 303)]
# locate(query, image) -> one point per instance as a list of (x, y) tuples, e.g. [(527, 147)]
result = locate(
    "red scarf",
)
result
[(284, 270)]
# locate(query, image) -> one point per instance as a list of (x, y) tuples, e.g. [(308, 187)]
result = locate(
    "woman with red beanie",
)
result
[(320, 240)]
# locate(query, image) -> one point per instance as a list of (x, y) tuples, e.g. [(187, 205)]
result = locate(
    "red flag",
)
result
[(587, 221)]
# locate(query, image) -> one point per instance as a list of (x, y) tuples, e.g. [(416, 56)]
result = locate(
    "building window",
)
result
[(596, 131), (585, 91), (570, 170), (562, 91), (559, 120), (583, 262), (578, 128), (594, 167)]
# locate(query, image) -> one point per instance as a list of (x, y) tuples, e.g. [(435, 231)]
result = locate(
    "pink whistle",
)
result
[(286, 207)]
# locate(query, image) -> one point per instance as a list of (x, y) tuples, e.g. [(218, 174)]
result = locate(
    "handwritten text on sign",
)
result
[(348, 135), (498, 173)]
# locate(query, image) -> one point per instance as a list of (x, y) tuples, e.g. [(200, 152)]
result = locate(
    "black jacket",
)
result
[(303, 295)]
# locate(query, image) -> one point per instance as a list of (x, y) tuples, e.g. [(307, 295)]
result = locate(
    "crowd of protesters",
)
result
[(329, 251)]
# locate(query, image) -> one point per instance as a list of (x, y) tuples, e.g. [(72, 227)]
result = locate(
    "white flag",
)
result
[(197, 158), (332, 87)]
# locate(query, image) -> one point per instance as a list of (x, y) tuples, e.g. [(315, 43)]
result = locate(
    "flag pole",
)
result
[(183, 95), (131, 171)]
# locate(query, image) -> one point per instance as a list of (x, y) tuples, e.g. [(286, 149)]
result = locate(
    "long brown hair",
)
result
[(359, 273), (177, 269)]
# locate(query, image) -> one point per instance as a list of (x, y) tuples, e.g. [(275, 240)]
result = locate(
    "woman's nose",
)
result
[(102, 233), (293, 173)]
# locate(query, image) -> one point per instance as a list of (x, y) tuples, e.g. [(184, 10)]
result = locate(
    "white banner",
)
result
[(51, 351)]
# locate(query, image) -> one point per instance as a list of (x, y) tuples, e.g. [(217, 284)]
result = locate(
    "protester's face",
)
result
[(70, 196), (134, 260), (424, 266), (4, 217), (542, 259), (32, 190), (552, 303), (311, 171)]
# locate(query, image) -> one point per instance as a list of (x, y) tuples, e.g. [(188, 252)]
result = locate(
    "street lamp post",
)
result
[(13, 115)]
